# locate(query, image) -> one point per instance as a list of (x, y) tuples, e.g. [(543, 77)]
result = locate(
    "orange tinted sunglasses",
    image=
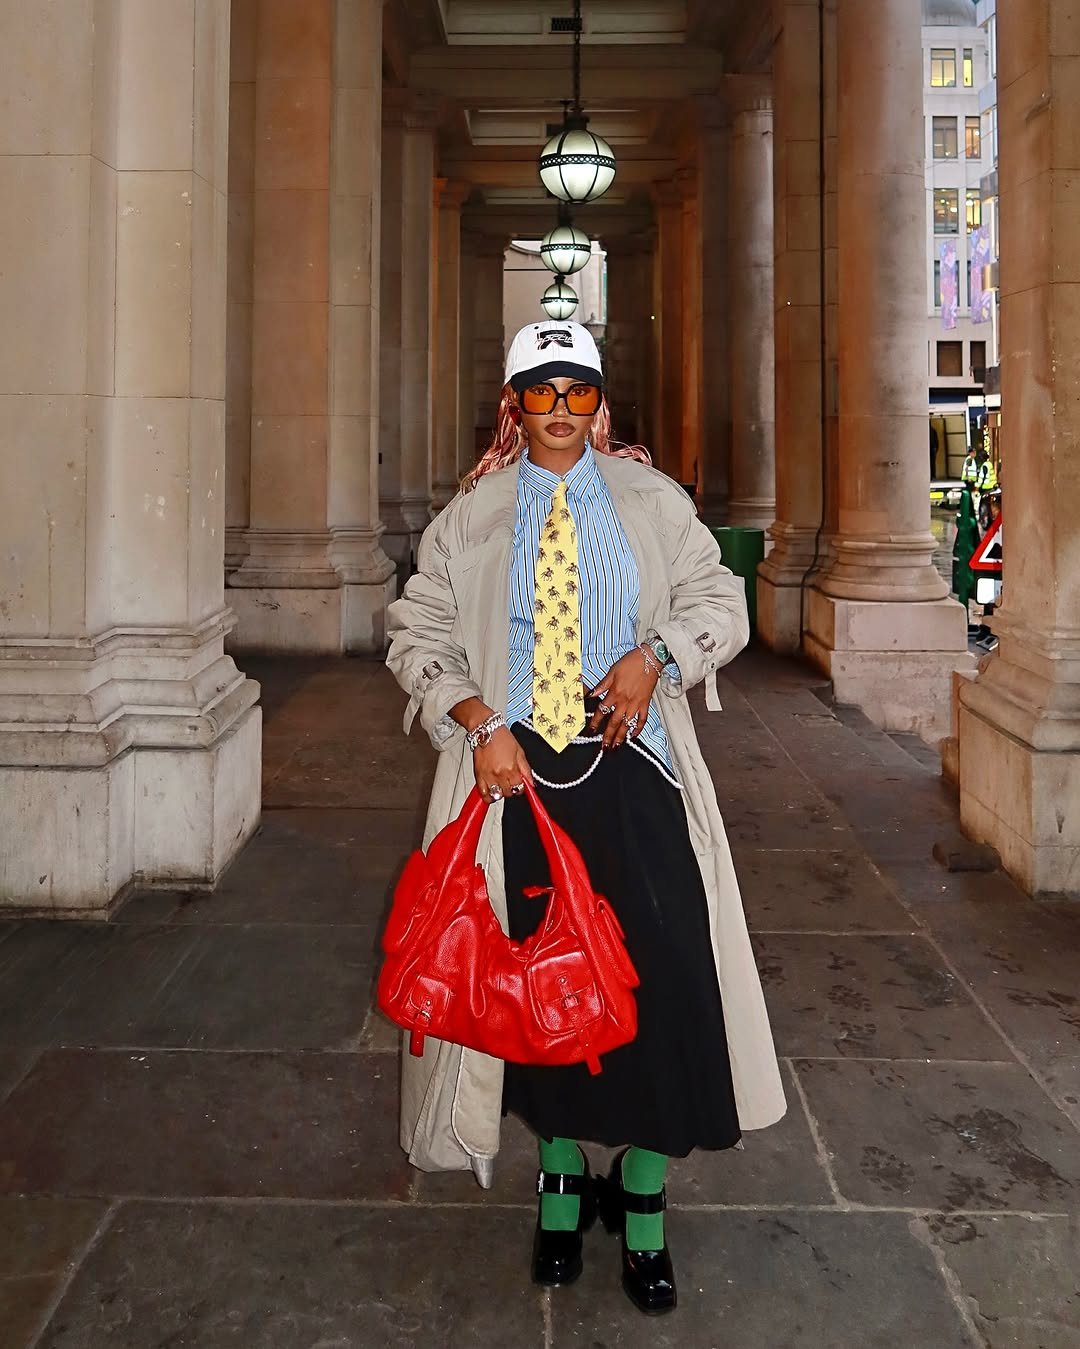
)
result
[(582, 400)]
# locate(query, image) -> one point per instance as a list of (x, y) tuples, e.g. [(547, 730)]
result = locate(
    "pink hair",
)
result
[(510, 440)]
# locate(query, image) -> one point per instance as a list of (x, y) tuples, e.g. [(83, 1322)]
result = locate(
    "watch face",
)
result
[(663, 655)]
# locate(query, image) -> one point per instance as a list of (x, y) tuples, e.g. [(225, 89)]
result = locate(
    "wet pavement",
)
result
[(198, 1106)]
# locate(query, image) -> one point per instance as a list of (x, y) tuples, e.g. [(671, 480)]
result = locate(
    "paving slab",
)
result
[(160, 1123), (269, 1276), (943, 1136), (800, 829), (1019, 1275), (869, 997), (266, 988), (362, 770), (816, 892), (785, 1280), (42, 964), (41, 1240), (14, 1065)]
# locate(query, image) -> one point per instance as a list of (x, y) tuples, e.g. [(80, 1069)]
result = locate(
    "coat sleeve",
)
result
[(425, 656), (709, 624)]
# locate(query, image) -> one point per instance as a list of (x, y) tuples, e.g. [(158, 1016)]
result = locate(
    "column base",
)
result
[(789, 560), (349, 620), (130, 758), (893, 659), (1019, 734), (752, 513)]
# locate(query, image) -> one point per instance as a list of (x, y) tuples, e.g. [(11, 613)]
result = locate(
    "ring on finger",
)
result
[(631, 722), (517, 788), (495, 793), (607, 708)]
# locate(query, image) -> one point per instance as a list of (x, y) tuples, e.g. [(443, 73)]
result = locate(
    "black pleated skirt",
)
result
[(669, 1090)]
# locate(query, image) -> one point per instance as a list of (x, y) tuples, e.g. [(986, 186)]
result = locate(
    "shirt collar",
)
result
[(583, 479)]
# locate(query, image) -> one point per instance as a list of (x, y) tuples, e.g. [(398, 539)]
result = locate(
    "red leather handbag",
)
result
[(564, 995)]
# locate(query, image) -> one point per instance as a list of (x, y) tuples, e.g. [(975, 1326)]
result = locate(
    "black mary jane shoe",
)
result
[(557, 1255), (648, 1278)]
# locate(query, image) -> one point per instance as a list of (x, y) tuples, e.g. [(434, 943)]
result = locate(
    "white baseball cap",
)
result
[(546, 350)]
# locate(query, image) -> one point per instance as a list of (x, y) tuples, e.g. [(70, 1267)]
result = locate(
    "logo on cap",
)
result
[(560, 337)]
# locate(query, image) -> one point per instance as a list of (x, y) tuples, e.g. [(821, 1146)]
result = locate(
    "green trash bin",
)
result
[(742, 550)]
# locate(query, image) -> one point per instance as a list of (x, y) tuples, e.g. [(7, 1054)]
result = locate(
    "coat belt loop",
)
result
[(712, 697)]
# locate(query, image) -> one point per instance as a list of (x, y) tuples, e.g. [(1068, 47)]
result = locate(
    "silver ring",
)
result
[(495, 793), (632, 721), (518, 789), (607, 708)]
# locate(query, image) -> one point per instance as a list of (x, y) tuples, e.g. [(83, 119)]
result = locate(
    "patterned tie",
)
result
[(558, 697)]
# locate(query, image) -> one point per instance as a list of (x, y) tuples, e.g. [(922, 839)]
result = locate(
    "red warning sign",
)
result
[(987, 557)]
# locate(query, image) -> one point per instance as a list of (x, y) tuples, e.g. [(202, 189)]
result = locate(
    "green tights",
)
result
[(643, 1172)]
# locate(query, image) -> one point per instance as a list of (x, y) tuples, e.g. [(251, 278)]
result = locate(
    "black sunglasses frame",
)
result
[(562, 397)]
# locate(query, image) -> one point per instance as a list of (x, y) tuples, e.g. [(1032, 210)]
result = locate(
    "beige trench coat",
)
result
[(449, 641)]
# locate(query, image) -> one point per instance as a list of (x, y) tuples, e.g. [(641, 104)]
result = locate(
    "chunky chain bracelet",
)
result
[(649, 657), (481, 735)]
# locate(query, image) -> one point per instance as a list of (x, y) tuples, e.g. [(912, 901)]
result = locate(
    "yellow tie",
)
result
[(558, 697)]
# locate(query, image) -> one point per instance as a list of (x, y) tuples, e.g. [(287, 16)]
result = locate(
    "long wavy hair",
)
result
[(510, 440)]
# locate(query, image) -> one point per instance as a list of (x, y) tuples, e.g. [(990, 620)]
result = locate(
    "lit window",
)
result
[(974, 208), (943, 67), (945, 138), (946, 210), (969, 68), (973, 137)]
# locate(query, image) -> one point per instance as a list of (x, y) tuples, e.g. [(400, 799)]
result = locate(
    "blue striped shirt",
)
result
[(610, 590)]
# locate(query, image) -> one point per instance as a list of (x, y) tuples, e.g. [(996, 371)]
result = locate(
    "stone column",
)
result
[(1020, 721), (714, 135), (128, 739), (669, 375), (799, 314), (753, 383), (407, 314), (485, 354), (692, 310), (629, 329), (239, 286), (315, 577), (447, 392), (880, 622), (468, 387), (365, 573)]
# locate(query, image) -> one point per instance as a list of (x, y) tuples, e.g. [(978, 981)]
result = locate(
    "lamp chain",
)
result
[(577, 57)]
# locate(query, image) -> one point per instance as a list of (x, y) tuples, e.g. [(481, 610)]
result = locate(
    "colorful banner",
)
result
[(950, 283), (982, 301)]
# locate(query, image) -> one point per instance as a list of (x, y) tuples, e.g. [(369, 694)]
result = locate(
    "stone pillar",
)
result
[(447, 392), (1020, 721), (240, 271), (880, 622), (486, 352), (629, 330), (407, 316), (468, 386), (692, 309), (713, 149), (669, 375), (799, 315), (315, 577), (753, 383), (128, 739)]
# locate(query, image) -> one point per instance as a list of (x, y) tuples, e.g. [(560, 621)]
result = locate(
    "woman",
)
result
[(565, 585)]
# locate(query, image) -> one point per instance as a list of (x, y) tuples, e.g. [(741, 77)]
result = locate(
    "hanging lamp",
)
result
[(576, 165), (559, 300)]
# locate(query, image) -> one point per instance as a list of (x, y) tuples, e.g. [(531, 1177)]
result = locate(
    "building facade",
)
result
[(257, 325)]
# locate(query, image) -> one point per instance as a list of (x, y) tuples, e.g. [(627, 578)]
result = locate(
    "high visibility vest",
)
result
[(970, 471), (987, 479)]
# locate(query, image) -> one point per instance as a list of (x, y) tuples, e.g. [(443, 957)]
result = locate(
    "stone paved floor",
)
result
[(197, 1107)]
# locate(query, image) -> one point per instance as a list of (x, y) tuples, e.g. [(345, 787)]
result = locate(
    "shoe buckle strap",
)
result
[(644, 1203), (557, 1182)]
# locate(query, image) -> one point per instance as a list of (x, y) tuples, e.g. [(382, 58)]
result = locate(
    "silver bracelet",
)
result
[(650, 660), (481, 736)]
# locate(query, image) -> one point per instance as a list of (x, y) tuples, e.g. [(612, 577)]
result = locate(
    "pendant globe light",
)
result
[(576, 165), (559, 300), (565, 249)]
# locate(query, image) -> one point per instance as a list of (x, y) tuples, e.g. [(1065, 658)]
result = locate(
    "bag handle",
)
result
[(454, 848)]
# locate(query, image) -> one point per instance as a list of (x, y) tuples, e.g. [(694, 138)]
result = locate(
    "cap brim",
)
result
[(556, 370)]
